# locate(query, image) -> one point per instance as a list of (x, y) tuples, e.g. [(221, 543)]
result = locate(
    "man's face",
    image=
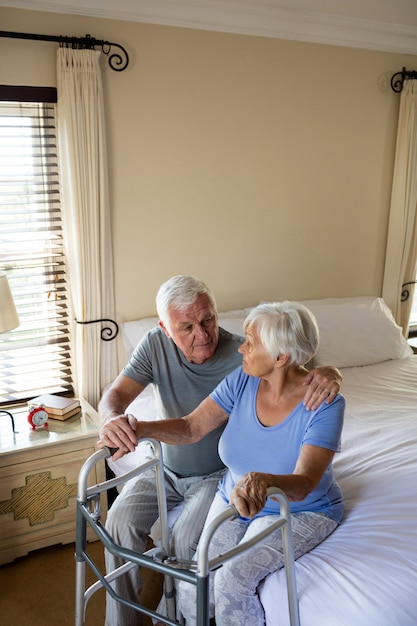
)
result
[(195, 330)]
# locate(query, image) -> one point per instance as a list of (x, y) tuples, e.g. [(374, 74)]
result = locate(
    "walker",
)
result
[(159, 559)]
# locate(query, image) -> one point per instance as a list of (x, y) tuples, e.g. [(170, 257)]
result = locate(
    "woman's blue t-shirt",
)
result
[(248, 446)]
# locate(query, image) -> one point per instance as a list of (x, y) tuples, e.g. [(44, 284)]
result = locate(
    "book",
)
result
[(61, 418), (57, 405)]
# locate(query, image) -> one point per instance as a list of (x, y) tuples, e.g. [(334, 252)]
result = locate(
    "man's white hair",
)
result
[(180, 292)]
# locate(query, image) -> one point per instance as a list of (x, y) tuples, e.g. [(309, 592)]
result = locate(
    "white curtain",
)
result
[(401, 253), (86, 217)]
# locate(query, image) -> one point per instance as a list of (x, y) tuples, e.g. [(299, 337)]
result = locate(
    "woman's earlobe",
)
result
[(282, 359)]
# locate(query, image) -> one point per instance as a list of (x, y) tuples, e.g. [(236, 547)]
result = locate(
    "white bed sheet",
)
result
[(365, 574)]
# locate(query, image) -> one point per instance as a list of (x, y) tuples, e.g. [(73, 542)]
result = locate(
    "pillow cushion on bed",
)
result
[(132, 333), (353, 331), (357, 331)]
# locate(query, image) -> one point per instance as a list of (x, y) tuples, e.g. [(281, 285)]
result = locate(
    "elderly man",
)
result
[(185, 357)]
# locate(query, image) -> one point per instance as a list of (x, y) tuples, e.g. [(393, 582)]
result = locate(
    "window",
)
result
[(413, 316), (35, 357)]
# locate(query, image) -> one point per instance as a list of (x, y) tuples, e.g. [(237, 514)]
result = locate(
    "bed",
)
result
[(365, 573)]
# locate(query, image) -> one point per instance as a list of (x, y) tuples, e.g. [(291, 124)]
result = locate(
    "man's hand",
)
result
[(120, 433), (249, 494), (323, 384)]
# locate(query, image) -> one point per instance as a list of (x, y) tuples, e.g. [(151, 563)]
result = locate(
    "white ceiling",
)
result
[(389, 25)]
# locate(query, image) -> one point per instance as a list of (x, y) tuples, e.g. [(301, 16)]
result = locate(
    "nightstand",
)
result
[(38, 479)]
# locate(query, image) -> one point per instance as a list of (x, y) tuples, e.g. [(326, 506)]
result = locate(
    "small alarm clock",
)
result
[(37, 417)]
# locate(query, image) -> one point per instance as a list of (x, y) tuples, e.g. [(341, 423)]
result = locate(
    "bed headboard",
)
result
[(353, 331)]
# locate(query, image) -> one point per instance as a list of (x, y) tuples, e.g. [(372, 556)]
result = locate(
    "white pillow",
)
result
[(356, 331), (353, 331), (233, 324), (132, 332)]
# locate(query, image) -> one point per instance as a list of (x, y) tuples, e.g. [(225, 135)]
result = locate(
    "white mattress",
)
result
[(365, 574)]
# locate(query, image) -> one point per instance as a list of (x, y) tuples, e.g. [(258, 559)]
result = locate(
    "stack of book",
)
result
[(58, 407)]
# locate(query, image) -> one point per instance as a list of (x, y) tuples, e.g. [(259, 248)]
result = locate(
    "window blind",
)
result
[(35, 358)]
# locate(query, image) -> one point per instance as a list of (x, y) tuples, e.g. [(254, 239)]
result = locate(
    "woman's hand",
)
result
[(120, 433), (249, 494)]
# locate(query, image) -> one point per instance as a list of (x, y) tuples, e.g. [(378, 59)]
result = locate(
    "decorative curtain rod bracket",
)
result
[(397, 80), (118, 61), (107, 333), (405, 293)]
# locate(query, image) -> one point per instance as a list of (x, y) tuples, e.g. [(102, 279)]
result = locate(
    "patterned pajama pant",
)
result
[(233, 587)]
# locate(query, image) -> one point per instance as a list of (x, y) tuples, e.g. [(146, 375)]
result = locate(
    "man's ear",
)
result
[(164, 328)]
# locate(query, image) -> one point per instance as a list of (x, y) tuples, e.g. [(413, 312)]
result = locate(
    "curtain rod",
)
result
[(398, 79), (117, 61)]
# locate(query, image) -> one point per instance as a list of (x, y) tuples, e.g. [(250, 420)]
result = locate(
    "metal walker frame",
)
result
[(158, 559)]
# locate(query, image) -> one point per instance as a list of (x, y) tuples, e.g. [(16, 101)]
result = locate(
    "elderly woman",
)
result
[(270, 439)]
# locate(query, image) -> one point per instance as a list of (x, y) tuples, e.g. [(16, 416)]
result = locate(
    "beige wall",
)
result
[(262, 166)]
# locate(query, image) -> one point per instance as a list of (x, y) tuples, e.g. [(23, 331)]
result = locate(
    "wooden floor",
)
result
[(39, 589)]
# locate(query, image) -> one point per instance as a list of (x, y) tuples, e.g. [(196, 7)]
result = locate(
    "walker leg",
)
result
[(203, 602), (80, 545), (79, 593)]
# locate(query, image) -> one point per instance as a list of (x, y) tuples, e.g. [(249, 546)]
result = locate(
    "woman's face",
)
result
[(256, 360)]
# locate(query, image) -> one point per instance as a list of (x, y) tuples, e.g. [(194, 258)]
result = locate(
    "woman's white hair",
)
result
[(285, 328), (180, 292)]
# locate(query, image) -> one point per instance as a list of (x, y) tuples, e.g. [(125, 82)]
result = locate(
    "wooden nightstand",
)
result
[(38, 479)]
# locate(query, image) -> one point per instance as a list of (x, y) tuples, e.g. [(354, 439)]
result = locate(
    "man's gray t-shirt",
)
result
[(180, 386)]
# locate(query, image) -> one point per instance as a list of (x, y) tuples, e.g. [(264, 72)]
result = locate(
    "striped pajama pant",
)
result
[(131, 517)]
